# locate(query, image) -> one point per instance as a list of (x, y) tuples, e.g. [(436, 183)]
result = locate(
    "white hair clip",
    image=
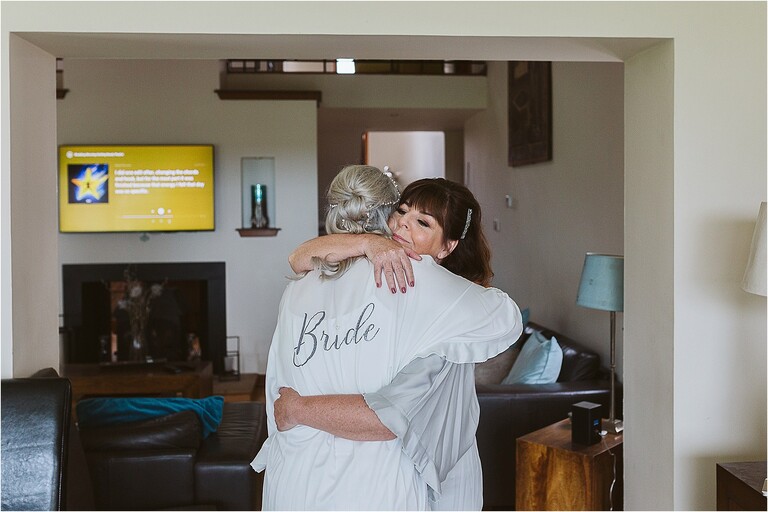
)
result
[(466, 225)]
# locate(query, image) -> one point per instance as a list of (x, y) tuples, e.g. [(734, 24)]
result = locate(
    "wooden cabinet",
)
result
[(555, 474), (739, 485)]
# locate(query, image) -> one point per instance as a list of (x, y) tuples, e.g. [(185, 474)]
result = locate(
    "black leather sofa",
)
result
[(510, 411), (43, 465), (164, 463)]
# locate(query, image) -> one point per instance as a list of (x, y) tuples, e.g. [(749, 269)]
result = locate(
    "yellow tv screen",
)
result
[(135, 188)]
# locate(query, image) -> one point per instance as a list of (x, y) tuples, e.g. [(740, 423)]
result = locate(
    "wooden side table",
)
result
[(740, 485), (555, 474)]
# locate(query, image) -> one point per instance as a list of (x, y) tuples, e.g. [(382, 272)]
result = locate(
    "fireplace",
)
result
[(186, 317)]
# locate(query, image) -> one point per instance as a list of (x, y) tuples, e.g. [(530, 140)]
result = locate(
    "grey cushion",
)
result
[(496, 368)]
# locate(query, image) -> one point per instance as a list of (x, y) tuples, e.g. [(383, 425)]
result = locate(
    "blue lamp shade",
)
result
[(602, 282)]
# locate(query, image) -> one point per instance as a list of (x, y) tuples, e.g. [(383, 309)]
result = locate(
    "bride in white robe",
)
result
[(347, 336)]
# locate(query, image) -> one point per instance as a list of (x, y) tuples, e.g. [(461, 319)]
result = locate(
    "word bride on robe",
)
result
[(353, 336)]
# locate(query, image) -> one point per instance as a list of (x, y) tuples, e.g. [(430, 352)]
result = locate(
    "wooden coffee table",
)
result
[(185, 379)]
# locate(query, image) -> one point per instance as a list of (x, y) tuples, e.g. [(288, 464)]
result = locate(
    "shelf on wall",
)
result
[(249, 232), (60, 93), (246, 94)]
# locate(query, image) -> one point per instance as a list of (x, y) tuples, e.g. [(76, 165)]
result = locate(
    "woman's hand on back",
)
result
[(391, 259), (285, 408)]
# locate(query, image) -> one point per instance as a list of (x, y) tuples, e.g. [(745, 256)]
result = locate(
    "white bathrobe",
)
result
[(346, 336)]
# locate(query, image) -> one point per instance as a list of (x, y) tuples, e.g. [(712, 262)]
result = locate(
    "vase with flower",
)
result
[(137, 303)]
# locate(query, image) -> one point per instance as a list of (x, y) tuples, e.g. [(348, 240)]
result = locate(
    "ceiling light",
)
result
[(345, 66)]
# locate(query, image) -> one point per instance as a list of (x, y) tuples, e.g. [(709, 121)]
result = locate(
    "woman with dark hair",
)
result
[(430, 404), (340, 338), (454, 208)]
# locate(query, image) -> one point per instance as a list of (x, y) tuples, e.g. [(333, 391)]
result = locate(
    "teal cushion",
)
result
[(539, 362), (99, 412)]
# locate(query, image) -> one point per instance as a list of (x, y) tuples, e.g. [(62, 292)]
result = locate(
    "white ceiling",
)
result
[(228, 46)]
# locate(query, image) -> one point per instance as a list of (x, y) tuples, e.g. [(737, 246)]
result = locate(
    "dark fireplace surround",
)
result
[(195, 292)]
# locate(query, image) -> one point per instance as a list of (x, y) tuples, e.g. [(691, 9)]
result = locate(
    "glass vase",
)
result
[(260, 217), (138, 348)]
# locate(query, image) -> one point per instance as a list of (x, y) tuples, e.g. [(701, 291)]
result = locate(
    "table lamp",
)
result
[(602, 287), (755, 277)]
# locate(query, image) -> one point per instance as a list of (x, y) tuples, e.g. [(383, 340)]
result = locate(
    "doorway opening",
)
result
[(406, 156)]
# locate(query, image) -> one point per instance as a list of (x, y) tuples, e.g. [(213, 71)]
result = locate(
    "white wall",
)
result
[(33, 209), (650, 359), (172, 102), (716, 132), (714, 217), (561, 209)]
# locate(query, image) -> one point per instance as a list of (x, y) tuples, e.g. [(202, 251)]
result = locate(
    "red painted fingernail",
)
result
[(403, 289), (411, 283), (394, 291), (378, 285)]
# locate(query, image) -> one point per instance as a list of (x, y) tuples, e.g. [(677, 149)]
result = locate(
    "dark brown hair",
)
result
[(448, 202)]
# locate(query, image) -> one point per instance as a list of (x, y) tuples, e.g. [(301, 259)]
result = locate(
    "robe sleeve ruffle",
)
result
[(496, 325)]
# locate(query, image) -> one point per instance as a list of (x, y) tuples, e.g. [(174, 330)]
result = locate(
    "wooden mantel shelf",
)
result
[(248, 232), (247, 94)]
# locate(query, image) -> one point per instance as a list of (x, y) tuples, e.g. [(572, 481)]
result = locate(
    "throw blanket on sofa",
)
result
[(99, 412)]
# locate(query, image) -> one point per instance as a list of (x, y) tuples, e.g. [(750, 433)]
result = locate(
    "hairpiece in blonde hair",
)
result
[(466, 225), (390, 203), (394, 183), (366, 225)]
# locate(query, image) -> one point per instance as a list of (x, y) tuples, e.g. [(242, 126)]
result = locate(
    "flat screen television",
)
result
[(133, 188)]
